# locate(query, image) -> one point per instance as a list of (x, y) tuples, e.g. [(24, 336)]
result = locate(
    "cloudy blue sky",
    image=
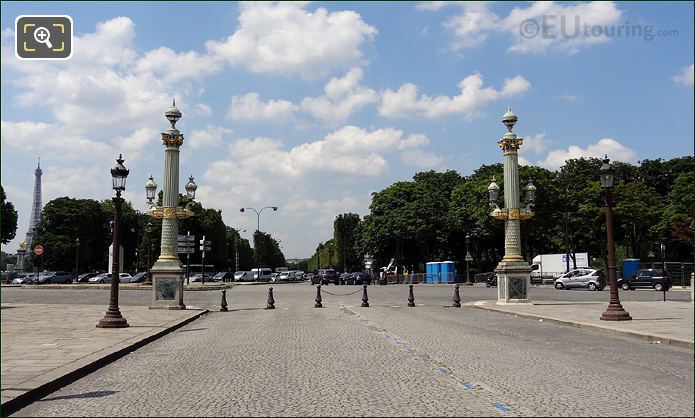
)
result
[(313, 106)]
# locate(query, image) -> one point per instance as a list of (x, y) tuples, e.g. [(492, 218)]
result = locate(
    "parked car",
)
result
[(28, 279), (100, 278), (55, 277), (274, 277), (125, 277), (657, 279), (581, 278), (198, 277), (299, 274), (84, 277), (265, 274), (490, 278), (224, 276), (359, 277), (139, 277), (242, 276), (327, 276), (289, 276)]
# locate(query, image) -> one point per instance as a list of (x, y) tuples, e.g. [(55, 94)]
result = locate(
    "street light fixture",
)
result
[(77, 258), (258, 225), (236, 248), (615, 311), (469, 258), (148, 231), (113, 317)]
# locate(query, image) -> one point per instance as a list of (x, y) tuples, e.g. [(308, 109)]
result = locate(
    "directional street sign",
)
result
[(186, 250), (184, 238), (205, 248)]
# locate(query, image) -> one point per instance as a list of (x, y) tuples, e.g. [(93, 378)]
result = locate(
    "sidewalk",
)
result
[(45, 347), (657, 322)]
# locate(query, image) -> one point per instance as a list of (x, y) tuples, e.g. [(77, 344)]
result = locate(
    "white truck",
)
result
[(548, 267)]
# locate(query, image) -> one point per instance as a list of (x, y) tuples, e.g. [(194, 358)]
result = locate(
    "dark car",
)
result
[(359, 277), (224, 276), (328, 276), (657, 279), (139, 277), (198, 277)]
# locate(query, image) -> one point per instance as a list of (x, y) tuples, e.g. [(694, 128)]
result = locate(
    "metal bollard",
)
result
[(365, 299), (223, 304), (457, 298), (411, 297), (318, 297), (271, 301)]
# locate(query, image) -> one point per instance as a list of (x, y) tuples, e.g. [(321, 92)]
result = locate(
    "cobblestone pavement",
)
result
[(382, 360)]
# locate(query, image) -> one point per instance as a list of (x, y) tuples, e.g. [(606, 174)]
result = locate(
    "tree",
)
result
[(63, 220), (268, 250), (345, 234), (675, 224), (8, 219)]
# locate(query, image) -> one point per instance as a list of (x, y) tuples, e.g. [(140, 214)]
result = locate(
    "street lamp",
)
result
[(236, 248), (167, 274), (77, 258), (148, 231), (258, 216), (615, 311), (513, 272), (469, 258), (113, 317)]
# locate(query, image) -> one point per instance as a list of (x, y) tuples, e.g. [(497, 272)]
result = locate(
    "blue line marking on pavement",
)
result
[(388, 337), (442, 371), (408, 350), (501, 407), (468, 386), (423, 359)]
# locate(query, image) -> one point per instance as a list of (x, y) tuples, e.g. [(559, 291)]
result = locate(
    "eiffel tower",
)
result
[(35, 207)]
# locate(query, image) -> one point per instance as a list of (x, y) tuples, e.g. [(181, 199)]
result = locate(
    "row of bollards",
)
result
[(365, 298)]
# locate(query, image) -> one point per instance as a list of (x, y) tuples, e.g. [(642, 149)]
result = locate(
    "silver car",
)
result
[(581, 278)]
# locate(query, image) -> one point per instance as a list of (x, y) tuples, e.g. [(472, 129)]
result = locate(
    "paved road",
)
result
[(383, 361), (300, 293)]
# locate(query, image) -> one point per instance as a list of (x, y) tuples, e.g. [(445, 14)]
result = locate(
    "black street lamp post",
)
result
[(469, 258), (258, 228), (148, 231), (113, 317), (615, 311), (77, 258)]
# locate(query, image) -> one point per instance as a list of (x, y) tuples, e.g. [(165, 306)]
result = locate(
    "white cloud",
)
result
[(164, 63), (343, 96), (537, 28), (250, 107), (432, 5), (606, 146), (203, 110), (286, 38), (34, 137), (421, 159), (686, 76), (211, 136), (404, 101), (535, 143)]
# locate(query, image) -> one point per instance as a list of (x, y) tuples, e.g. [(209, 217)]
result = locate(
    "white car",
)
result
[(24, 280), (106, 278)]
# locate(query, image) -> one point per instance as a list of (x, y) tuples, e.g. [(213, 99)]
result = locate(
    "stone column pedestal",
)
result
[(513, 282), (167, 285)]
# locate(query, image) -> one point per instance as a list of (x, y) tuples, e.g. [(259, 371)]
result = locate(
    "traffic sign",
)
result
[(186, 250), (469, 257), (38, 250), (205, 248), (184, 238)]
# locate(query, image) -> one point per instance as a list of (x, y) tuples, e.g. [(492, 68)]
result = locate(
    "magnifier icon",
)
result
[(43, 36)]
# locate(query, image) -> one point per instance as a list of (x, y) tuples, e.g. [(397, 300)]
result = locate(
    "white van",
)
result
[(242, 276), (265, 275)]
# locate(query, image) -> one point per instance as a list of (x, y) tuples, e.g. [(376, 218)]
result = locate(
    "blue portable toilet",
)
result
[(448, 270), (432, 272), (630, 265)]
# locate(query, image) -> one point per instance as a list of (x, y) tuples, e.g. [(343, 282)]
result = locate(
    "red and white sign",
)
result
[(38, 250)]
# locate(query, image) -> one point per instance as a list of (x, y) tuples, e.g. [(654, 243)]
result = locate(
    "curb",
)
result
[(108, 287), (645, 337), (27, 398)]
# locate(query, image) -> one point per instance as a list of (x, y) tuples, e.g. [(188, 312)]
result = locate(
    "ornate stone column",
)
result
[(513, 272)]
